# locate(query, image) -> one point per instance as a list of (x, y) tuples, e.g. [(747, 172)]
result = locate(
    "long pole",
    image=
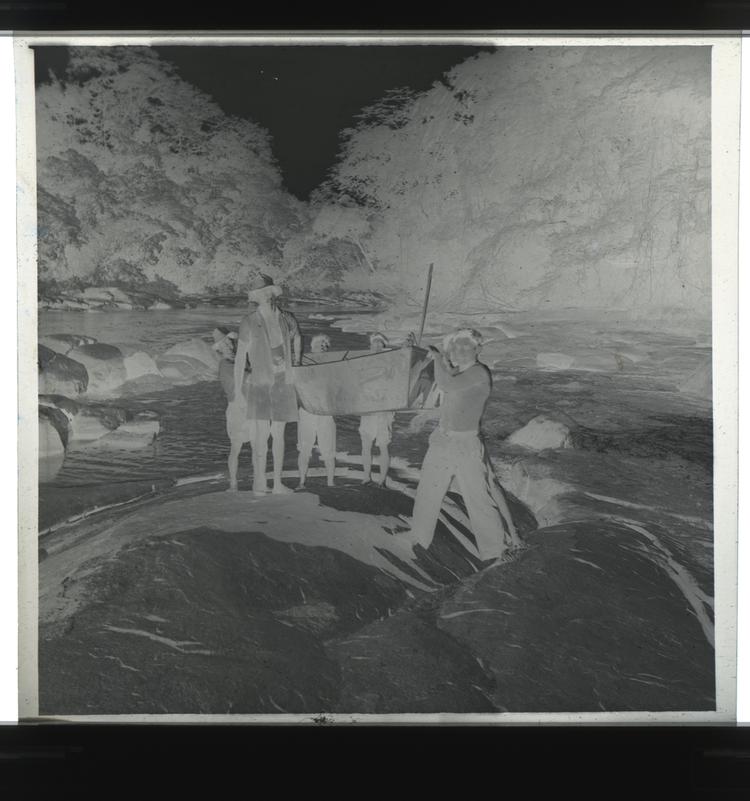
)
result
[(426, 300)]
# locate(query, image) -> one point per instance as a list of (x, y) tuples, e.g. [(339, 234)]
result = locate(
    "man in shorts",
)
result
[(316, 428), (375, 429), (269, 338)]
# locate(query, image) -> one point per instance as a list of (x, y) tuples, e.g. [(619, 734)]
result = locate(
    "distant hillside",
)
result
[(542, 177), (143, 181), (532, 177)]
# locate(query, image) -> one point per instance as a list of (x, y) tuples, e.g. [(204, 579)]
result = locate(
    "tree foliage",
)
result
[(142, 178), (533, 176)]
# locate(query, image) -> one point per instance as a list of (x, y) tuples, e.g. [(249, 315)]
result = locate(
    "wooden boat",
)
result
[(363, 381)]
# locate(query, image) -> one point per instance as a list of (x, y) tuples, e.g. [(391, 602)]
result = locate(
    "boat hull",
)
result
[(361, 382)]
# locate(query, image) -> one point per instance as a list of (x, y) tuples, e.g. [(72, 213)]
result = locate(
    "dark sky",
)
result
[(304, 95)]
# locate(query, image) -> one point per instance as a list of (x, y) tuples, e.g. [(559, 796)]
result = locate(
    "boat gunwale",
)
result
[(362, 355)]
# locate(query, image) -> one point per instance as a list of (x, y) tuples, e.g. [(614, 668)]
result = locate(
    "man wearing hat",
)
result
[(456, 451), (270, 340)]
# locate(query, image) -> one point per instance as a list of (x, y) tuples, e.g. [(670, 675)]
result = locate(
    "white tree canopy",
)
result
[(144, 178), (535, 176)]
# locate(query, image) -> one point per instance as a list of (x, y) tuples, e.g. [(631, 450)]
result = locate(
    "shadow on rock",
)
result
[(584, 620), (210, 621)]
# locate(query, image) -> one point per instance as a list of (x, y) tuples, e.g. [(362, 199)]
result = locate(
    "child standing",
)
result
[(316, 428), (376, 428), (239, 429)]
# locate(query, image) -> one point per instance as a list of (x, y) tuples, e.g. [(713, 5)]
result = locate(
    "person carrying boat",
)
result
[(240, 428), (376, 428), (316, 428), (269, 338), (457, 451)]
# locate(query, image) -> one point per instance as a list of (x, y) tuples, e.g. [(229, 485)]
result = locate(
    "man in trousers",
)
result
[(457, 452)]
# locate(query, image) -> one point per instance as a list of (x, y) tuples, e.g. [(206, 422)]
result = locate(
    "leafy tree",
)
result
[(533, 176), (138, 167)]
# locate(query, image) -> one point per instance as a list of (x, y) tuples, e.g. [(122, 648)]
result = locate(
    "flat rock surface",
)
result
[(217, 602), (586, 619)]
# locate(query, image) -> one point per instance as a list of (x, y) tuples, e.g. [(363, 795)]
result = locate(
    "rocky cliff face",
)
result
[(546, 177), (532, 178)]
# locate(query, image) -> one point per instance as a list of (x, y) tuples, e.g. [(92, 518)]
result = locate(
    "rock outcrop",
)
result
[(287, 607), (193, 360), (61, 375), (541, 433), (104, 365)]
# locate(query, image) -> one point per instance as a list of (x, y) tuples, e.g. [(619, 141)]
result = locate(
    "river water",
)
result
[(641, 447), (192, 440)]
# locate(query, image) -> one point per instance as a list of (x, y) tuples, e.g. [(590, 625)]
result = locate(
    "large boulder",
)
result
[(92, 423), (53, 436), (139, 432), (590, 618), (533, 482), (194, 360), (64, 343), (541, 433), (81, 423), (68, 407), (95, 425), (61, 375), (404, 664), (53, 431), (105, 366), (139, 364), (63, 303), (107, 295), (237, 620)]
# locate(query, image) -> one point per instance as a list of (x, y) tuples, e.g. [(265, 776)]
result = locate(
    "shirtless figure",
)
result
[(269, 338), (316, 428), (375, 428), (239, 429)]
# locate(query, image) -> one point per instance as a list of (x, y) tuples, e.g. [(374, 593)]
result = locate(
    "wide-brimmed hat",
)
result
[(259, 281)]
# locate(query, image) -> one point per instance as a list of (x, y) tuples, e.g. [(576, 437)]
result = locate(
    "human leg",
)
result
[(498, 495), (277, 435), (327, 445), (435, 478), (305, 442), (303, 461), (385, 462), (486, 521), (384, 423), (260, 456), (366, 456), (239, 432), (235, 446)]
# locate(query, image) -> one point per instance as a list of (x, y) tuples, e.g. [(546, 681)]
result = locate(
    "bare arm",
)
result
[(240, 360), (295, 336)]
